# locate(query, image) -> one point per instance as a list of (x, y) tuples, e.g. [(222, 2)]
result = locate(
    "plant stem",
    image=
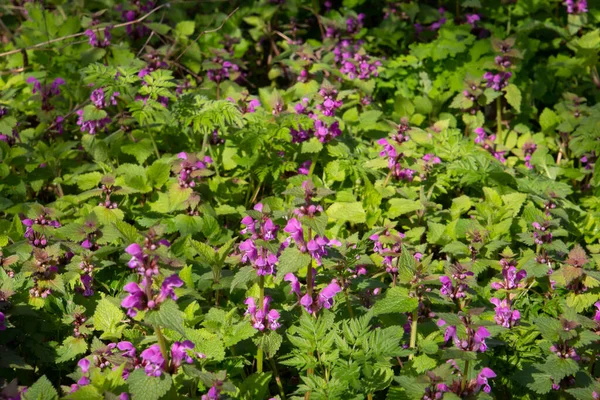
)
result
[(153, 143), (277, 378), (370, 396), (463, 384), (259, 352), (413, 331), (163, 344), (313, 163), (499, 120), (387, 178), (348, 304)]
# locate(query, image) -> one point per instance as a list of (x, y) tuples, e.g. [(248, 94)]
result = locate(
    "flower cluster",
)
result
[(93, 38), (46, 91), (99, 99), (262, 317), (528, 150), (191, 168), (92, 126), (322, 299), (316, 247), (38, 239), (474, 340), (576, 6), (389, 246), (142, 259), (262, 228), (222, 72), (486, 142), (142, 297), (541, 233), (456, 287), (505, 316), (497, 81), (140, 8)]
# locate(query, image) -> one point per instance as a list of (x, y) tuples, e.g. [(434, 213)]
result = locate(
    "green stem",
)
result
[(499, 120), (162, 343), (370, 396), (153, 143), (277, 379), (313, 163), (413, 331), (348, 304), (463, 384), (261, 298)]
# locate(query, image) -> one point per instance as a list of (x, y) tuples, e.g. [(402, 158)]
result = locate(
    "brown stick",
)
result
[(207, 31), (35, 46)]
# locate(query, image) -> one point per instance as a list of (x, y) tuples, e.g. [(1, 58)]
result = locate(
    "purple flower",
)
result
[(262, 318), (2, 321), (46, 91), (326, 133), (512, 277), (93, 39), (431, 158), (179, 353), (317, 247), (504, 315), (330, 102), (327, 294), (290, 277), (497, 81), (447, 288), (324, 299), (167, 288), (86, 282), (576, 6), (472, 19), (305, 167), (597, 316), (528, 149), (153, 361), (137, 298), (294, 228), (482, 379), (92, 126), (99, 100)]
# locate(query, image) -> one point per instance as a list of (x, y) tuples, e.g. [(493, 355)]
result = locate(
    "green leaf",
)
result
[(513, 97), (42, 389), (559, 368), (206, 343), (71, 348), (141, 150), (243, 276), (269, 342), (167, 316), (312, 146), (107, 319), (255, 386), (351, 212), (144, 387), (185, 28), (88, 181), (291, 260), (399, 207), (396, 300), (548, 120), (424, 363), (88, 392)]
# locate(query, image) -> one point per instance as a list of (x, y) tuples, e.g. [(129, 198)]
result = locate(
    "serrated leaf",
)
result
[(399, 207), (396, 300), (243, 276), (351, 212), (71, 348), (42, 389), (513, 97), (107, 319), (291, 260), (144, 387), (167, 316)]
